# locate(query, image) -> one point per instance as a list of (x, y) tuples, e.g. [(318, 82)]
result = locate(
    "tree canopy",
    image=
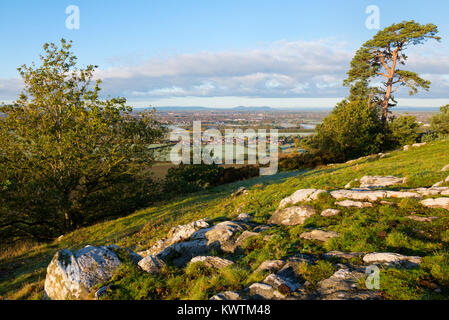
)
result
[(380, 58), (67, 157)]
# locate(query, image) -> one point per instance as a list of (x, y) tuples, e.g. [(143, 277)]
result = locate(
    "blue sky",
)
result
[(221, 53)]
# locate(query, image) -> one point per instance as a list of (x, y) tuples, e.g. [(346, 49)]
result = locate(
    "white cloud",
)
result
[(278, 72)]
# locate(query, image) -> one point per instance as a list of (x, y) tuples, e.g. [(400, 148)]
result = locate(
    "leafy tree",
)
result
[(352, 129), (439, 123), (381, 56), (68, 158), (403, 130)]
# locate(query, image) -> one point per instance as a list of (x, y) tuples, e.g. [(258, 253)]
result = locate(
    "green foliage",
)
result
[(378, 60), (403, 130), (69, 159), (439, 123), (185, 179), (353, 129)]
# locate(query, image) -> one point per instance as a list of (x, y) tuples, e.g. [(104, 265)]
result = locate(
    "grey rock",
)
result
[(270, 265), (213, 262), (380, 181), (151, 264), (227, 295), (72, 275), (436, 203), (356, 204), (301, 196), (319, 235), (292, 216), (330, 212)]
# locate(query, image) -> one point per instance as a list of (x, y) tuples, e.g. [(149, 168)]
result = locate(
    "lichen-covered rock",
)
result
[(319, 235), (292, 216), (388, 257), (245, 235), (72, 275), (270, 265), (223, 234), (184, 232), (330, 212), (227, 295), (436, 203), (344, 285), (213, 262), (433, 191), (182, 252), (354, 204), (263, 291), (342, 255), (151, 264), (422, 219), (244, 217), (380, 181), (282, 284), (300, 196)]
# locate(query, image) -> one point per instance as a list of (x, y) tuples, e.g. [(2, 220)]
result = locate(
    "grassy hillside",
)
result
[(382, 228)]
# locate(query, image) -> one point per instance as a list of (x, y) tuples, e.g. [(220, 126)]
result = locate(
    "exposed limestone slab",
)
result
[(227, 295), (301, 196), (184, 232), (264, 291), (330, 212), (270, 265), (446, 168), (358, 195), (341, 254), (344, 285), (282, 284), (72, 275), (436, 203), (244, 217), (388, 257), (292, 216), (319, 235), (183, 252), (151, 264), (213, 262), (380, 181), (422, 219), (354, 204), (433, 191), (223, 233)]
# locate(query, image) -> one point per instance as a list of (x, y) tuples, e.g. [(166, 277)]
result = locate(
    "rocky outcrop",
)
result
[(391, 258), (222, 235), (151, 264), (270, 265), (344, 285), (354, 204), (372, 195), (213, 262), (292, 216), (422, 219), (330, 212), (445, 168), (72, 275), (436, 203), (227, 295), (380, 181), (302, 195), (342, 255), (319, 235)]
